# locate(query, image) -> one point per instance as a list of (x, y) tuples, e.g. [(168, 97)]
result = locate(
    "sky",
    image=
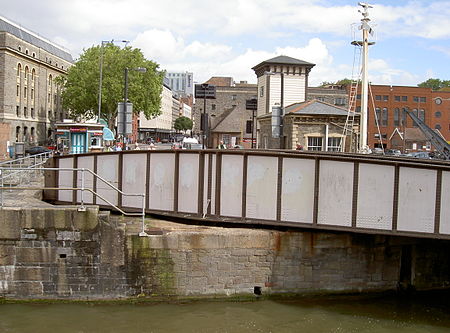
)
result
[(229, 37)]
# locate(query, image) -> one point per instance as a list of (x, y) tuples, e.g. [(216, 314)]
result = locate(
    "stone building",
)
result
[(331, 94), (29, 97), (310, 125), (227, 114), (281, 81)]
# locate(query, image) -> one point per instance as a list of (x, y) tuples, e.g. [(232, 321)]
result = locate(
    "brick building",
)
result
[(29, 98), (389, 103), (228, 117)]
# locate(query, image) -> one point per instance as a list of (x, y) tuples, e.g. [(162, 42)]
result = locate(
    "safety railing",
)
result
[(82, 189), (30, 162)]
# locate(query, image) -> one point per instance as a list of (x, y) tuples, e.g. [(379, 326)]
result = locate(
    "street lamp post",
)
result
[(101, 75)]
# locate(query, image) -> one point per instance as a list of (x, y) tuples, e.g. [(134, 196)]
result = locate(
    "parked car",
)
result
[(377, 151), (393, 152), (36, 150), (420, 154)]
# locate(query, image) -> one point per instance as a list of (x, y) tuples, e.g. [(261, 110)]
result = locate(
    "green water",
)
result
[(340, 314)]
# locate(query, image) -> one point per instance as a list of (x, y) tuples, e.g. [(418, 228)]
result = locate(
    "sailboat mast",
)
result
[(363, 143)]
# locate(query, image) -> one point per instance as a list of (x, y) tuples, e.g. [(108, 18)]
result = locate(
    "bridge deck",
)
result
[(328, 191)]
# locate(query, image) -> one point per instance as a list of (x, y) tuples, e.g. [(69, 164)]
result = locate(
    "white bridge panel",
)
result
[(375, 196), (297, 191), (86, 162), (188, 183), (107, 168), (335, 193), (134, 171), (416, 200), (261, 201), (445, 204), (231, 185), (65, 179), (162, 169)]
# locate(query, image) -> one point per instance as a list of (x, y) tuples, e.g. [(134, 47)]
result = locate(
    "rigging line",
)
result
[(349, 121), (380, 139)]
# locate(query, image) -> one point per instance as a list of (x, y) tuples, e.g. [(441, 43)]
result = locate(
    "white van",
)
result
[(188, 143)]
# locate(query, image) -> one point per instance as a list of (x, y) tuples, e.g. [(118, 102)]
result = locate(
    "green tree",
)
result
[(435, 84), (342, 82), (80, 86), (183, 124)]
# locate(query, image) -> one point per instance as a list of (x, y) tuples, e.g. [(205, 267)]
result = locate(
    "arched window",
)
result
[(19, 69), (26, 51), (33, 74), (17, 133), (50, 81), (27, 72), (32, 134), (25, 133)]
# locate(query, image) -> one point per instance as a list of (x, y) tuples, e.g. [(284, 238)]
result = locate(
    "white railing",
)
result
[(82, 189)]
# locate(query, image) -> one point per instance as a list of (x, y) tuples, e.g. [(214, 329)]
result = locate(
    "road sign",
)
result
[(124, 121), (204, 90), (251, 104)]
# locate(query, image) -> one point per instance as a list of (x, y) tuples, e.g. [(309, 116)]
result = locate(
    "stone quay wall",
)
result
[(60, 253)]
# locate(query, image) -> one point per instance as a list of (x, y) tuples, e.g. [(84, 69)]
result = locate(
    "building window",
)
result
[(33, 75), (404, 116), (385, 98), (358, 108), (423, 99), (32, 134), (315, 143), (421, 115), (32, 93), (213, 107), (396, 117), (358, 96), (415, 99), (17, 133), (25, 133), (32, 113), (404, 98), (416, 113), (339, 101), (378, 97), (377, 116), (384, 117), (17, 111), (320, 98), (438, 114), (18, 90), (437, 126), (233, 97), (397, 98), (34, 55), (25, 112), (25, 92), (261, 91), (334, 144), (19, 69)]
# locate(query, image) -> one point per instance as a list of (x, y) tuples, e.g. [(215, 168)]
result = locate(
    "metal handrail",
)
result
[(82, 189)]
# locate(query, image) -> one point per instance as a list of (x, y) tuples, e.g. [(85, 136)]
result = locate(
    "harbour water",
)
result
[(427, 313)]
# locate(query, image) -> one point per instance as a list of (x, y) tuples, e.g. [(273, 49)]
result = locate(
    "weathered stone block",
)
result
[(26, 255)]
